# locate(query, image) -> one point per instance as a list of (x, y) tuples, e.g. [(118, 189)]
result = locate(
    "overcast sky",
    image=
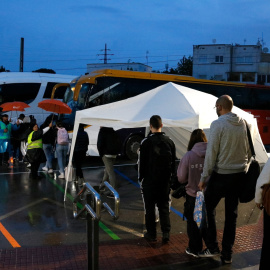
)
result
[(66, 35)]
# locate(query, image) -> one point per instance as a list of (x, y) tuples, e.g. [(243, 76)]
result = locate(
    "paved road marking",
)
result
[(8, 236)]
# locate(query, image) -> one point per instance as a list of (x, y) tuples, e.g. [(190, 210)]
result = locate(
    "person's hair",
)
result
[(32, 125), (59, 124), (226, 102), (155, 121), (196, 136)]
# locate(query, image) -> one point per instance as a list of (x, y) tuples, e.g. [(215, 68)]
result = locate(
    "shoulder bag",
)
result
[(248, 186)]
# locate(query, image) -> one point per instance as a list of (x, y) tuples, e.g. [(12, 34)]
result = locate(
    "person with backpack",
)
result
[(156, 166), (108, 145), (62, 143), (189, 171)]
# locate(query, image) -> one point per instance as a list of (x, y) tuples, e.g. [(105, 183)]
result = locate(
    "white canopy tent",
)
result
[(182, 110)]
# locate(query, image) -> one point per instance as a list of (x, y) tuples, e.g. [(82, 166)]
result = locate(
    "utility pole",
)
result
[(21, 54), (105, 54)]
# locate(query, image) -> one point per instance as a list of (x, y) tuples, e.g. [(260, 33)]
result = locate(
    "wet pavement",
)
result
[(38, 230)]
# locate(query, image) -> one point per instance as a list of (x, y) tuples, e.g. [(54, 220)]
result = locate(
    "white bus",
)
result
[(31, 88)]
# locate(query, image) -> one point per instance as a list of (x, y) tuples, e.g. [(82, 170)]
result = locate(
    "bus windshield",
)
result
[(68, 119)]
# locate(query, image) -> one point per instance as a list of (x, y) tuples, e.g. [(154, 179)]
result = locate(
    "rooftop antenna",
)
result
[(105, 54), (147, 52)]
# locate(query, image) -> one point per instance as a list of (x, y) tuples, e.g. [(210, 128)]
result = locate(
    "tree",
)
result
[(184, 67), (2, 69), (44, 70)]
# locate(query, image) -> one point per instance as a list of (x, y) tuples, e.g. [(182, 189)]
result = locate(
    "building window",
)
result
[(248, 77), (219, 59), (203, 77), (243, 60), (203, 59), (234, 77)]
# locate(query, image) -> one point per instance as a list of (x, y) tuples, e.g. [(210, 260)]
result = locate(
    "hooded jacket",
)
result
[(228, 149), (191, 166)]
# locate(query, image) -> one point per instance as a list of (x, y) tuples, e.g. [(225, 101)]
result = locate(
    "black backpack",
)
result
[(161, 163), (114, 144)]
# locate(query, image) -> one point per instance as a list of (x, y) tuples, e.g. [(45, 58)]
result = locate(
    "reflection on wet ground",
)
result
[(34, 214)]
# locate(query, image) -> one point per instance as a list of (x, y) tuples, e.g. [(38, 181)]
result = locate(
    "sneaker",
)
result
[(50, 171), (207, 253), (28, 165), (45, 169), (149, 237), (226, 260), (166, 237), (61, 176), (189, 252)]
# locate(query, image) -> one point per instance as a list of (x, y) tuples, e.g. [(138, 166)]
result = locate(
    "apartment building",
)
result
[(228, 62)]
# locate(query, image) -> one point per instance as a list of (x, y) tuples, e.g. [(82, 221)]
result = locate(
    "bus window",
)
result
[(25, 92), (59, 94), (68, 96), (261, 99), (82, 96)]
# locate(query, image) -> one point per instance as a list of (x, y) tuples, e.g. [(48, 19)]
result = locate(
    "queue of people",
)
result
[(212, 166), (24, 141)]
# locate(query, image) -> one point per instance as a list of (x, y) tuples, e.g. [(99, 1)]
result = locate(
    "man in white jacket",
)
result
[(226, 161)]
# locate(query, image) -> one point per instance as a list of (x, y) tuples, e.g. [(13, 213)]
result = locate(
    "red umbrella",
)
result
[(55, 106), (14, 106)]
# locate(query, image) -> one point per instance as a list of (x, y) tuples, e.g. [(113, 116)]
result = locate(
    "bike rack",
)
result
[(93, 210)]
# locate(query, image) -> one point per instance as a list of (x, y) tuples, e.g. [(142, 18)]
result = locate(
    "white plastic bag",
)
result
[(72, 174)]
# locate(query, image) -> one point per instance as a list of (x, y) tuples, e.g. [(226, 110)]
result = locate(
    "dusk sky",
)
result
[(67, 35)]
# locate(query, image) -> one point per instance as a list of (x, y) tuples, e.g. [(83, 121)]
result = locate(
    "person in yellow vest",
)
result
[(35, 153), (5, 132)]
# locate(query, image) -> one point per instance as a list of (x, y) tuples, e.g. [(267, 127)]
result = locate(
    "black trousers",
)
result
[(159, 197), (34, 169), (195, 234), (78, 158), (222, 186), (264, 263)]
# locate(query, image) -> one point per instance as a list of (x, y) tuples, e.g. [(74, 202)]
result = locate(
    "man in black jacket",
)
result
[(80, 149), (157, 164), (108, 145)]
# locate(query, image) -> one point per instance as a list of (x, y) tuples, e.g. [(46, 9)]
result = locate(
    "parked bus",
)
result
[(106, 86), (31, 88)]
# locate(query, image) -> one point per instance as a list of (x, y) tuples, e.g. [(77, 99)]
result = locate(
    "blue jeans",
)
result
[(61, 151), (48, 153)]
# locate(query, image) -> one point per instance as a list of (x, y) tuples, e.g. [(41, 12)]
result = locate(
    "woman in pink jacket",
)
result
[(189, 171)]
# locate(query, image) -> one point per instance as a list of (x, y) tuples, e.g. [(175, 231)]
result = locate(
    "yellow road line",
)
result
[(8, 236)]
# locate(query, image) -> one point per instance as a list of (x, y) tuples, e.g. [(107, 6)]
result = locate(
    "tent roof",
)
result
[(177, 105)]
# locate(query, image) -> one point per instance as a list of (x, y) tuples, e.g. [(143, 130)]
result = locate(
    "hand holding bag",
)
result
[(248, 186)]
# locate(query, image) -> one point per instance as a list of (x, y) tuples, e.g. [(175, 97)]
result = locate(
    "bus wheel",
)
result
[(132, 145)]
